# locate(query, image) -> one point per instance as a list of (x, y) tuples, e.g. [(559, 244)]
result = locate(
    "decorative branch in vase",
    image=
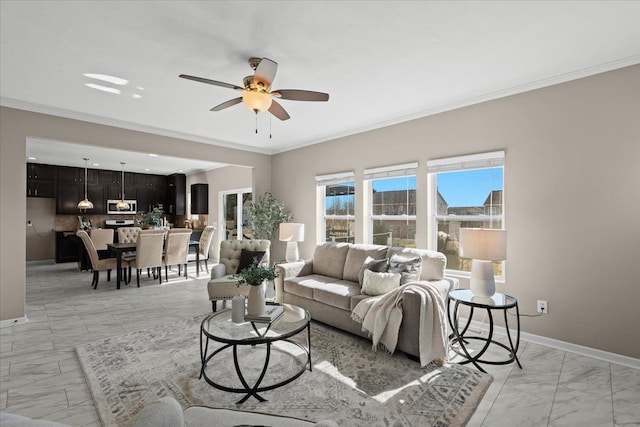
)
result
[(256, 276)]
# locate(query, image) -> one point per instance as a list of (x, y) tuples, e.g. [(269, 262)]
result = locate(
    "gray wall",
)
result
[(17, 125), (572, 193)]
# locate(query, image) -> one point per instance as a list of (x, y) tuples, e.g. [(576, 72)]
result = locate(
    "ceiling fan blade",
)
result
[(301, 95), (277, 110), (265, 72), (210, 82), (227, 104)]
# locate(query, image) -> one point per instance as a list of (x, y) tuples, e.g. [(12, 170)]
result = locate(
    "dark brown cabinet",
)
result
[(41, 180), (176, 194), (200, 198), (70, 175), (150, 191), (68, 197), (96, 195)]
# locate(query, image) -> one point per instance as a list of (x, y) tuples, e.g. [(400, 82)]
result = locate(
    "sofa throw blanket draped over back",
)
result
[(381, 317)]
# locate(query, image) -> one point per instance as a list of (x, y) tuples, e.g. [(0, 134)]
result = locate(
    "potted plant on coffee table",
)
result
[(256, 276)]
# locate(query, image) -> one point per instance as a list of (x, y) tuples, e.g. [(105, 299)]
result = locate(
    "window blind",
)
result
[(473, 161), (405, 169), (335, 178)]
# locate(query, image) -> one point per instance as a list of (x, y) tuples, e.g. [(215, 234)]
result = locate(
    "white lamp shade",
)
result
[(483, 244), (291, 232)]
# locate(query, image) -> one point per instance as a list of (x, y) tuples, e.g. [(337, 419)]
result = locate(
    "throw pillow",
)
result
[(379, 283), (375, 265), (247, 258), (409, 268)]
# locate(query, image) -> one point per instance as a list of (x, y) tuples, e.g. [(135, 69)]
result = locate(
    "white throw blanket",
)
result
[(381, 317)]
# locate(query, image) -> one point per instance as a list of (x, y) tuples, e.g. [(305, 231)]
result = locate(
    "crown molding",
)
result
[(85, 117)]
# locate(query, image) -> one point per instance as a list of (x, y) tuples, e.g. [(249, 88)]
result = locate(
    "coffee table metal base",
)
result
[(252, 390)]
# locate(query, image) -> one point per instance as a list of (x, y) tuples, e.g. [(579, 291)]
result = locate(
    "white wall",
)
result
[(572, 193)]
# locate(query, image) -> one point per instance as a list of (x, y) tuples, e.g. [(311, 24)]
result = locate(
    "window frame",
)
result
[(322, 182), (458, 164), (405, 170)]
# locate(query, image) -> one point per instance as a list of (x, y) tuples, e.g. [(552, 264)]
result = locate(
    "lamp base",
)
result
[(483, 283), (292, 252)]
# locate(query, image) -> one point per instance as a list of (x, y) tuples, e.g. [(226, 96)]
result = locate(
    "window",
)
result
[(468, 192), (392, 207), (235, 207), (337, 202)]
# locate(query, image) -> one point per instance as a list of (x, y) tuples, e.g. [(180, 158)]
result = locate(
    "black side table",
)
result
[(496, 302)]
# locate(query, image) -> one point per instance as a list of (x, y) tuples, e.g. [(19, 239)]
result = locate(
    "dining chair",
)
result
[(205, 242), (100, 238), (128, 234), (97, 264), (148, 254), (176, 249)]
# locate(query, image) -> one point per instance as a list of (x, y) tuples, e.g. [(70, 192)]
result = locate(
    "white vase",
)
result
[(237, 309), (256, 302)]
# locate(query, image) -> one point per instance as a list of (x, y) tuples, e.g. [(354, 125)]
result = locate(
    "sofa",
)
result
[(167, 412), (329, 285)]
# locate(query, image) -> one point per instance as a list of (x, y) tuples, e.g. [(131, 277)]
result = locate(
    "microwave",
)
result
[(111, 207)]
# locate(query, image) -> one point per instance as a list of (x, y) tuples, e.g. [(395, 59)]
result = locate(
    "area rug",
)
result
[(349, 382)]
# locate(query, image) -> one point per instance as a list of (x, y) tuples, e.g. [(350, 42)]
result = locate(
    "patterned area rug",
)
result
[(349, 383)]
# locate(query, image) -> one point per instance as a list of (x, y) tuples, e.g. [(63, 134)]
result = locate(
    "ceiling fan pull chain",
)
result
[(269, 126), (256, 121)]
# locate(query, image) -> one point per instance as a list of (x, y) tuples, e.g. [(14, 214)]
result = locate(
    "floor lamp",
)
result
[(292, 233), (483, 246)]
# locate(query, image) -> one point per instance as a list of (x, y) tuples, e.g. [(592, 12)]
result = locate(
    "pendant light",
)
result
[(85, 203), (122, 205)]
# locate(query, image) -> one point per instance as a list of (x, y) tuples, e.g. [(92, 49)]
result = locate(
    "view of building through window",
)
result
[(237, 223), (339, 212), (393, 211), (467, 199)]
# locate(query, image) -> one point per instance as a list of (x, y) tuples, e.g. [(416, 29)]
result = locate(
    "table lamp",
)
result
[(292, 233), (483, 246)]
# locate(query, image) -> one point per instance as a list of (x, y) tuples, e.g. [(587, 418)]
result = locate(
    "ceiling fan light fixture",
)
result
[(256, 101)]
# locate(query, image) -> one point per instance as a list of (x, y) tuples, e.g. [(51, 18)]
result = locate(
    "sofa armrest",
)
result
[(218, 271), (288, 270)]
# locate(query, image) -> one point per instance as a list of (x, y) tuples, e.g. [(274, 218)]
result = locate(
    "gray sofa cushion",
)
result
[(432, 265), (355, 259), (329, 259), (324, 289), (375, 265)]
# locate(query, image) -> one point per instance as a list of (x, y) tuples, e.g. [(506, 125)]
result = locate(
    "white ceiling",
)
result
[(382, 62)]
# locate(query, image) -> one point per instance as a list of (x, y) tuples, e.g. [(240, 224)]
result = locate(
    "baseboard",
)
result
[(606, 356), (42, 262), (12, 322)]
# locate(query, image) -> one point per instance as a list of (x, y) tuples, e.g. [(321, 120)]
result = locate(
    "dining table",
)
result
[(120, 248)]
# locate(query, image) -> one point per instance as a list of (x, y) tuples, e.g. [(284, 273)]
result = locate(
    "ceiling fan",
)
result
[(255, 93)]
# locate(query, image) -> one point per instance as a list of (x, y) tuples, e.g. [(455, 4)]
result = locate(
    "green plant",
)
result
[(152, 218), (255, 274), (266, 214)]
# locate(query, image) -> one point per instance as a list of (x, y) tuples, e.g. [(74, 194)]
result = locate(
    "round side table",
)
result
[(459, 336)]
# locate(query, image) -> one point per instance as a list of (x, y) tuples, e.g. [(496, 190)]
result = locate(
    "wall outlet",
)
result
[(29, 224), (543, 307)]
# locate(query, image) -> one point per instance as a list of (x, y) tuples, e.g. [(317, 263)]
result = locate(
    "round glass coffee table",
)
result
[(218, 327)]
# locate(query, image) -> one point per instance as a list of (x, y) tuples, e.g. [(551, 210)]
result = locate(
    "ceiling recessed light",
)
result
[(103, 88), (139, 88), (153, 155), (136, 96), (31, 158), (95, 164), (107, 78), (180, 170), (147, 169)]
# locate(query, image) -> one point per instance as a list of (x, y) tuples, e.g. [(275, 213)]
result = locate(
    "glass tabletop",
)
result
[(219, 326), (498, 300)]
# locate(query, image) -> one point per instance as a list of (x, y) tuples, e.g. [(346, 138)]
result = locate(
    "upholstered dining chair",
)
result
[(176, 249), (128, 234), (100, 238), (205, 243), (149, 245), (97, 264)]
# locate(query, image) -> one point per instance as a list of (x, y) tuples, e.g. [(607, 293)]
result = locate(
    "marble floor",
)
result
[(40, 375)]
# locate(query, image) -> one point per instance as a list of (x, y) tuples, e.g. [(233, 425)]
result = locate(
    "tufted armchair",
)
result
[(222, 287)]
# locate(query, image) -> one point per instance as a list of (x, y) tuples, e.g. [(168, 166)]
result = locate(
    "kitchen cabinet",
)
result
[(41, 189), (67, 199), (97, 196), (200, 198), (70, 175), (150, 191), (176, 194), (37, 171), (41, 180)]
